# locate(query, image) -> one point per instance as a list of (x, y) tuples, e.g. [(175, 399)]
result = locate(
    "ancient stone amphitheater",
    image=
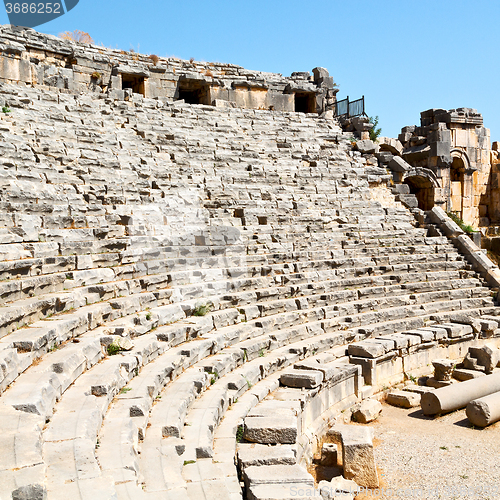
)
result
[(164, 265)]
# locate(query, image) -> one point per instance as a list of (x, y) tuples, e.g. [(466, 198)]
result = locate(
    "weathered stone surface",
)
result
[(436, 384), (338, 488), (329, 455), (404, 399), (463, 374), (397, 164), (459, 395), (367, 411), (301, 378), (250, 455), (357, 454), (277, 474), (484, 411), (366, 146), (484, 358), (443, 369), (271, 430)]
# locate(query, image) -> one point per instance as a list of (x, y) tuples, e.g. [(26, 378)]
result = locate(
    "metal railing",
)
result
[(348, 109)]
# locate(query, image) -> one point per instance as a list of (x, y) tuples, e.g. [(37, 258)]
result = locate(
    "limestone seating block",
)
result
[(289, 491), (10, 367), (370, 348), (70, 462), (277, 474), (89, 277), (271, 430), (424, 335), (37, 340), (107, 378), (301, 378), (179, 398), (456, 330), (250, 455), (403, 399), (21, 441), (439, 333), (119, 433), (28, 482)]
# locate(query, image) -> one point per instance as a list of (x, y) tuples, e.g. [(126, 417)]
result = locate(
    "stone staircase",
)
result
[(225, 244)]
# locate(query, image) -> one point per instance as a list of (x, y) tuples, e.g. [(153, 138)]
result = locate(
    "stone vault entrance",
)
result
[(423, 188)]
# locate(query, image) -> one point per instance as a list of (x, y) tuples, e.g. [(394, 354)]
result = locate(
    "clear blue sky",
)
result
[(403, 56)]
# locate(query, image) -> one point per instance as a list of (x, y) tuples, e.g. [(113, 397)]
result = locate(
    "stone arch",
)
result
[(422, 183), (461, 156)]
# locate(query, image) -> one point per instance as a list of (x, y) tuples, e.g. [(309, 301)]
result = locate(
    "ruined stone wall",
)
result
[(451, 158), (37, 59)]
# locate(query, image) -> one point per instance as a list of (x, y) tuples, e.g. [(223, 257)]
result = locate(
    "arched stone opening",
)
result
[(423, 188)]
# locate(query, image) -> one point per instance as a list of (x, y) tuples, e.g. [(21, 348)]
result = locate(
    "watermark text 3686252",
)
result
[(32, 13)]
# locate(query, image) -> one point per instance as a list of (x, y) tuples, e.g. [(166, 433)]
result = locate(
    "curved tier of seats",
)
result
[(215, 248)]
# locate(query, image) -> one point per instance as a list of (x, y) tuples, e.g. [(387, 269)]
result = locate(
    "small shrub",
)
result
[(148, 316), (239, 434), (191, 60), (76, 36), (187, 462), (125, 390), (113, 349), (460, 223), (374, 131), (96, 75), (154, 59), (6, 109), (202, 310), (261, 353)]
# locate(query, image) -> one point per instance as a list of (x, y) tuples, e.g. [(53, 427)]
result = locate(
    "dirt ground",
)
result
[(421, 457)]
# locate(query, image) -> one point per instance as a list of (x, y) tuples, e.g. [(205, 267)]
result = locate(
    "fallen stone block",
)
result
[(367, 411), (338, 488), (366, 146), (418, 389), (484, 358), (458, 396), (301, 378), (437, 384), (463, 374), (357, 454), (289, 491), (403, 399), (397, 164), (484, 411), (271, 430)]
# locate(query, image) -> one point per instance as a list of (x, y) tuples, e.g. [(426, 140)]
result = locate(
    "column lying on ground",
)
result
[(484, 411), (457, 396)]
